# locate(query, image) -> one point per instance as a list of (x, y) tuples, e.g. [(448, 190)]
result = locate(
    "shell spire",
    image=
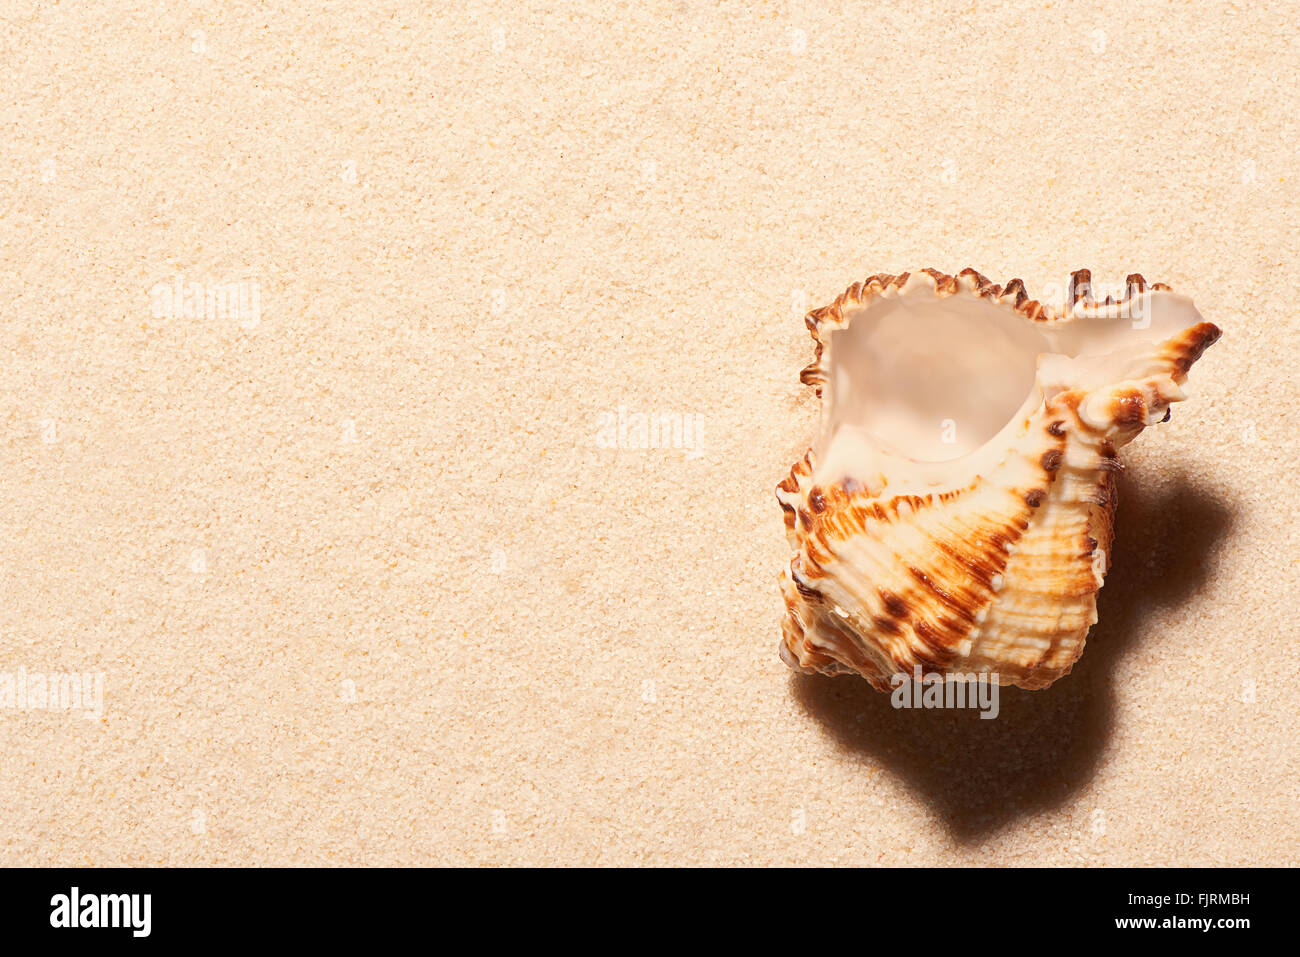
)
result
[(957, 510)]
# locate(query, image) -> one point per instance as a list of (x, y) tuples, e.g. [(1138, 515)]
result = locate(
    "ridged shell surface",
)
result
[(957, 510)]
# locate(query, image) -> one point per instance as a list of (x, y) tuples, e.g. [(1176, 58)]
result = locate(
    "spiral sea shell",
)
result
[(957, 509)]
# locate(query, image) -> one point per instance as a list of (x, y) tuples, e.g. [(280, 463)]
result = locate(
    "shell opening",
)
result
[(917, 378), (931, 379)]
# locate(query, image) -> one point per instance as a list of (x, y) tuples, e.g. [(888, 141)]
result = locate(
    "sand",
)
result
[(354, 539)]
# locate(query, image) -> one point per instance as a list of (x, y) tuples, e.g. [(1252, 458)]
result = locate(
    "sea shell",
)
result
[(957, 511)]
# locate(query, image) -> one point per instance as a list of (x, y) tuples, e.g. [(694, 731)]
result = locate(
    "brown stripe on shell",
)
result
[(893, 604), (1107, 457), (809, 594), (1080, 287), (940, 640), (1016, 288), (943, 282), (1190, 346), (977, 564), (888, 625), (812, 376), (963, 607), (815, 556), (1110, 487), (803, 586)]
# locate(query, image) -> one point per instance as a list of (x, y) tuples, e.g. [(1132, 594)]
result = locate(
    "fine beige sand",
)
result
[(360, 573)]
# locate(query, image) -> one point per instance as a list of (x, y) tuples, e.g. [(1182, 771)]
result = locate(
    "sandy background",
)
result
[(364, 586)]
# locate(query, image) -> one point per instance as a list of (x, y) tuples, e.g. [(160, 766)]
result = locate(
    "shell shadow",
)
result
[(979, 775)]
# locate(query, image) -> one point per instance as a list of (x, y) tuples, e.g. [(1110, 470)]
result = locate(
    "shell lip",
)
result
[(1078, 293), (1076, 342), (1079, 297)]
